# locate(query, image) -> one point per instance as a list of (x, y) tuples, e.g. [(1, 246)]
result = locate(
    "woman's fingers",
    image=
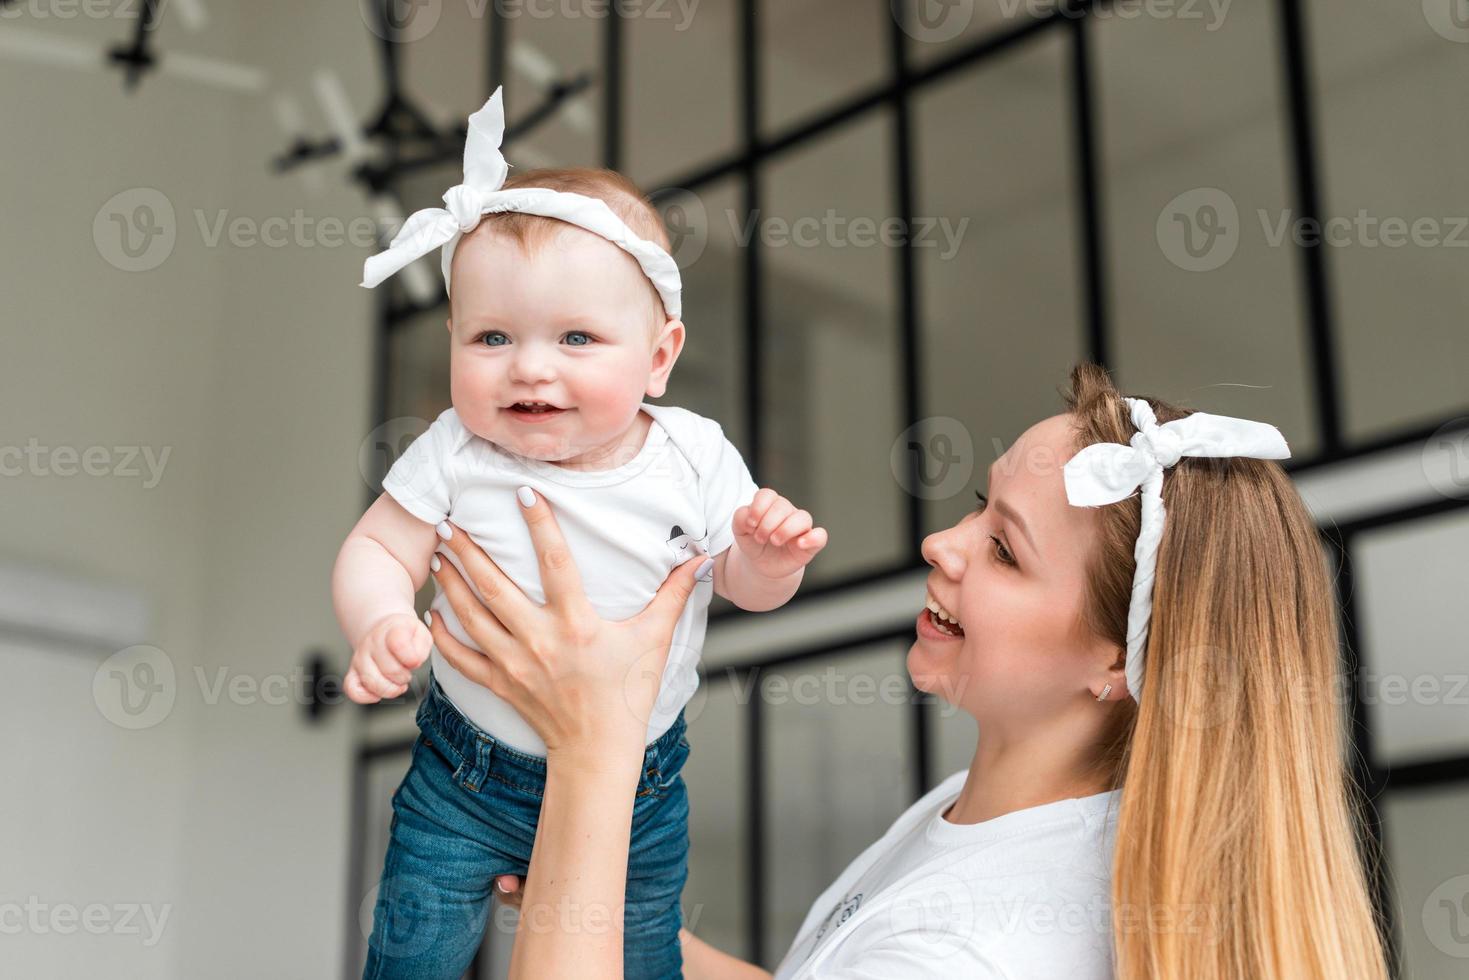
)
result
[(477, 666), (659, 617), (501, 595), (508, 888), (483, 625), (560, 577)]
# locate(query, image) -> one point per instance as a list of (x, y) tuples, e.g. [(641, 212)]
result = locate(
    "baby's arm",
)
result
[(747, 588), (380, 567)]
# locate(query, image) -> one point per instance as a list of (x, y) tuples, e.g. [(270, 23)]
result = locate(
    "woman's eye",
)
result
[(1001, 552), (489, 338), (578, 333)]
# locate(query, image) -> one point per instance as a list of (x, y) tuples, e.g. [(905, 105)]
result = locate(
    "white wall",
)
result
[(250, 366)]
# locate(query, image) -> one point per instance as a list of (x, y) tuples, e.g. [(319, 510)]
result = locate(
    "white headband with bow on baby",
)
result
[(480, 194)]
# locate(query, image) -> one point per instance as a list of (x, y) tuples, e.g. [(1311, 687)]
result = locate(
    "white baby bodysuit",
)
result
[(627, 528)]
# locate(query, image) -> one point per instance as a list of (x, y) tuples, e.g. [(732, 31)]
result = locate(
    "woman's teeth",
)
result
[(942, 620)]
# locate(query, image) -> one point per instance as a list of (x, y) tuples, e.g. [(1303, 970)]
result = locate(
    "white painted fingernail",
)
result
[(527, 497), (434, 563), (706, 570), (428, 618), (445, 531)]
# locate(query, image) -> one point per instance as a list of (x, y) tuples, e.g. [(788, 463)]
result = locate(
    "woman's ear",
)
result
[(665, 353), (1113, 662), (1118, 675)]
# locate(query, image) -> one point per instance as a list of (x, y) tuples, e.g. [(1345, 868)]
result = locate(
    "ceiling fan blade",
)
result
[(222, 74), (41, 48), (541, 70), (531, 62), (193, 14), (333, 97)]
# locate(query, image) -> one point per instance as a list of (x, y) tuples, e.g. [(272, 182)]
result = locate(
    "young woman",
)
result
[(1198, 796)]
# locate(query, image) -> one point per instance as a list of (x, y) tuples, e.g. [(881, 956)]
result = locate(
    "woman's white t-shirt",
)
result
[(1022, 895)]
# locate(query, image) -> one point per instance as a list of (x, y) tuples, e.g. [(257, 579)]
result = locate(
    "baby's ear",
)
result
[(450, 324)]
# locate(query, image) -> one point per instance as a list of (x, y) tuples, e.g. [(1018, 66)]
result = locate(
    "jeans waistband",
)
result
[(479, 754)]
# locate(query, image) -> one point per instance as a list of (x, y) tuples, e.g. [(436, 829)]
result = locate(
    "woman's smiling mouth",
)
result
[(939, 619)]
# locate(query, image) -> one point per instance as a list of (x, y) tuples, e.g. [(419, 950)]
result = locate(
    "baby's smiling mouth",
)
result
[(535, 408)]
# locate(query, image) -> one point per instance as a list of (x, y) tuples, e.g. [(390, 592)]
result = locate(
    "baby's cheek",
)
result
[(613, 393), (474, 388)]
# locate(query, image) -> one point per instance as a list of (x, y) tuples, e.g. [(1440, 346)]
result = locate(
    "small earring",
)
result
[(1106, 690)]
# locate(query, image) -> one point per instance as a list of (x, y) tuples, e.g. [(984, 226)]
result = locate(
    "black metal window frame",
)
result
[(897, 94)]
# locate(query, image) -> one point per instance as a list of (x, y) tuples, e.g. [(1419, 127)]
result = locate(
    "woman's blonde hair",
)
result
[(1238, 854)]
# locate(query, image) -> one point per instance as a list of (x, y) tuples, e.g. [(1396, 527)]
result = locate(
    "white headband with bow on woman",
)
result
[(1106, 472)]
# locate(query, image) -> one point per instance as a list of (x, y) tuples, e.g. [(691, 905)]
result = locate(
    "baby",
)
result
[(564, 315)]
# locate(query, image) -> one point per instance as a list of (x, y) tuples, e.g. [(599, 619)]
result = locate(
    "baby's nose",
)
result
[(530, 364)]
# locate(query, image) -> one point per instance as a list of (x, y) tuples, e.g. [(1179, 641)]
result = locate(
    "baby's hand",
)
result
[(775, 537), (384, 661)]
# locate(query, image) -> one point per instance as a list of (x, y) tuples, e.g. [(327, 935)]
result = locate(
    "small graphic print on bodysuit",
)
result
[(684, 545), (843, 911)]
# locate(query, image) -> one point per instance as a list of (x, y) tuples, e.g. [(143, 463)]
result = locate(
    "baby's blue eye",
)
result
[(492, 335), (578, 333)]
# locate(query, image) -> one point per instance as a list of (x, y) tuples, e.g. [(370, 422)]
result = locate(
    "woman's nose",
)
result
[(941, 550)]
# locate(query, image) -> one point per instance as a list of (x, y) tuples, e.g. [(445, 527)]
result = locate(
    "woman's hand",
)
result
[(586, 685)]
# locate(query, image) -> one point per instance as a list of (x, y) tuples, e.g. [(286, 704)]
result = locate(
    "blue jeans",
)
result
[(466, 812)]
